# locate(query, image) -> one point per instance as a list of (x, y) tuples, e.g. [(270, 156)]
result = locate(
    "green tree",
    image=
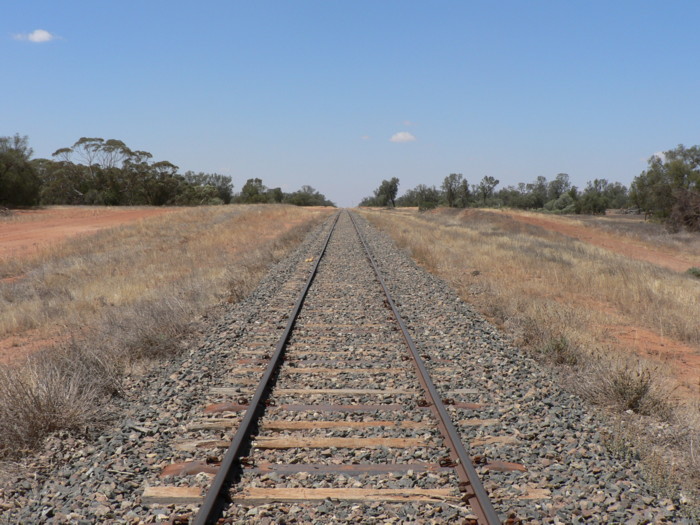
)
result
[(486, 187), (671, 176), (384, 195), (450, 189), (19, 181), (253, 192), (307, 196), (221, 183), (464, 196), (558, 187), (600, 195), (537, 191), (422, 196)]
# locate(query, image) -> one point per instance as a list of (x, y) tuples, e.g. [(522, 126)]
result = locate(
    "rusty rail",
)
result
[(470, 485), (475, 494), (215, 500)]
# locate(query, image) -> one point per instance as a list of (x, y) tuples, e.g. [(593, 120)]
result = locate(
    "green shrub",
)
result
[(694, 271)]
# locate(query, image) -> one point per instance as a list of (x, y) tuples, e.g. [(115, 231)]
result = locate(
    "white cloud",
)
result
[(37, 36), (402, 136), (365, 137), (408, 123)]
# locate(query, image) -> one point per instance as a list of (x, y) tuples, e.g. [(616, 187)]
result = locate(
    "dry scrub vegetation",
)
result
[(122, 295), (561, 299)]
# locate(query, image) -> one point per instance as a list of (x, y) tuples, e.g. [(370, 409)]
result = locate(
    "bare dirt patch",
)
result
[(27, 231)]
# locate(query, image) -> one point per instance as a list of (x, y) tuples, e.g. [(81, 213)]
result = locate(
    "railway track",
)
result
[(332, 404)]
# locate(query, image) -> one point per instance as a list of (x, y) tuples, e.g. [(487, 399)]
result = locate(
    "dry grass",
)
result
[(197, 255), (52, 391), (635, 227), (124, 294), (559, 298), (528, 271)]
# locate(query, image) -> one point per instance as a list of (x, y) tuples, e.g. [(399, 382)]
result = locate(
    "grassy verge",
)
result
[(122, 295), (559, 298)]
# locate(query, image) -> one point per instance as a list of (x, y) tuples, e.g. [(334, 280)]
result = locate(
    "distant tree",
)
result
[(486, 187), (19, 182), (384, 195), (221, 183), (253, 191), (600, 195), (275, 195), (537, 191), (558, 187), (422, 196), (671, 179), (307, 196), (464, 196), (370, 200), (450, 188)]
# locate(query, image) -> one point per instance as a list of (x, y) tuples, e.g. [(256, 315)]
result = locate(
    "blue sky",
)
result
[(312, 92)]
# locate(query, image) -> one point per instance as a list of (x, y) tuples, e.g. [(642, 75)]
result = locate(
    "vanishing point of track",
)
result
[(345, 392)]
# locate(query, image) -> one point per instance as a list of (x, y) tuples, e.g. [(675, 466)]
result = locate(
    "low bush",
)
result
[(61, 389), (625, 384)]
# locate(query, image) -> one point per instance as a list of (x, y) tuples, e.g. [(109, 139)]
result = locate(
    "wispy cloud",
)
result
[(408, 123), (37, 36), (402, 136), (365, 137)]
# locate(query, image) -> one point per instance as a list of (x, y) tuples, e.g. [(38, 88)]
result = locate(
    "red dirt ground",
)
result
[(28, 230)]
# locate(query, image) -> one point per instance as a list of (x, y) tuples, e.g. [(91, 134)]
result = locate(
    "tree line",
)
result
[(107, 172), (669, 190), (557, 195)]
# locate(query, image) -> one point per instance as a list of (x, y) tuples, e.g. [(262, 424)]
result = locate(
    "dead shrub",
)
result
[(560, 351), (625, 384), (54, 390)]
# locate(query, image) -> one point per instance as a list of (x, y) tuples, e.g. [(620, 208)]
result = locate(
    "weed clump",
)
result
[(626, 385), (60, 389)]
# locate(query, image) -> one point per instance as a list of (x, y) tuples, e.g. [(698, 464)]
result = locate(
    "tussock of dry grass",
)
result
[(124, 294), (51, 391), (626, 384), (557, 296)]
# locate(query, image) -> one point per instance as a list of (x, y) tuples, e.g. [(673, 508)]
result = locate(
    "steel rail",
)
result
[(475, 493), (214, 500)]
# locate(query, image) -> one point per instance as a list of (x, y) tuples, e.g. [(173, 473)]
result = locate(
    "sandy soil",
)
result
[(26, 231), (683, 360)]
